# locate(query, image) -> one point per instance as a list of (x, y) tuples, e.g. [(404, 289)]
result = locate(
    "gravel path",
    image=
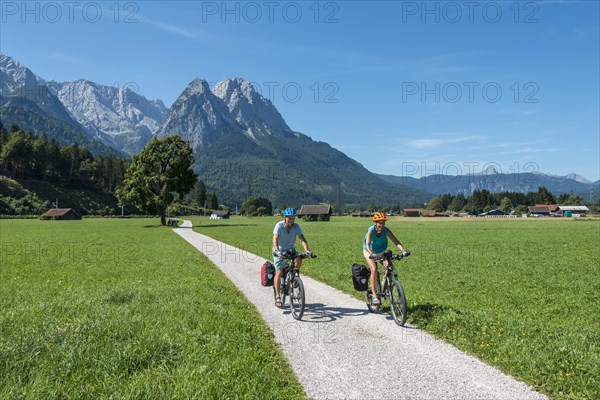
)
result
[(341, 351)]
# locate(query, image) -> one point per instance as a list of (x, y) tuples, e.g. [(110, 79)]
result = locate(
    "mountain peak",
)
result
[(14, 74), (577, 177), (197, 86), (198, 116), (490, 170), (248, 107)]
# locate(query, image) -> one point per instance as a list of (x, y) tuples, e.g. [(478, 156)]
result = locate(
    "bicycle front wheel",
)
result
[(398, 303), (297, 297)]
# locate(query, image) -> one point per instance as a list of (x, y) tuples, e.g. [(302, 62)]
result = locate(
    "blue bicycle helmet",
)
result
[(289, 212)]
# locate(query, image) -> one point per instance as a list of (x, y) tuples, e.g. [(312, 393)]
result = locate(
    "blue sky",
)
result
[(403, 87)]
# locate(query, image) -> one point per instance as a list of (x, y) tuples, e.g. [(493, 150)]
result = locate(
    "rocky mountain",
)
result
[(109, 112), (97, 115), (242, 144), (248, 107), (496, 182), (243, 147), (14, 75), (27, 101), (199, 116)]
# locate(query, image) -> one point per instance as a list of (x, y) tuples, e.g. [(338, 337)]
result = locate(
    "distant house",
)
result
[(493, 213), (318, 212), (61, 214), (220, 214), (412, 212), (541, 210), (574, 210), (552, 207)]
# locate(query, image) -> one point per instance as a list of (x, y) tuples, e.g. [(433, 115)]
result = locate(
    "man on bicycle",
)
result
[(374, 244), (284, 238)]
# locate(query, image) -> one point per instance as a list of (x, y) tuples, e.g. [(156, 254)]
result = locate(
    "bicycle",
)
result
[(291, 283), (392, 288)]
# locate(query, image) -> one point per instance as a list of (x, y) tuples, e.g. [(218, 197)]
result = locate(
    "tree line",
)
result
[(483, 200)]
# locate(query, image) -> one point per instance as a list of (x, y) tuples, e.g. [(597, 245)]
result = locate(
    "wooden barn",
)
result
[(61, 214), (318, 212), (412, 212), (220, 214)]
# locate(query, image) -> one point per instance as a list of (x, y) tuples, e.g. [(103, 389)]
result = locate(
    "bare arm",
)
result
[(369, 242), (303, 242), (394, 240)]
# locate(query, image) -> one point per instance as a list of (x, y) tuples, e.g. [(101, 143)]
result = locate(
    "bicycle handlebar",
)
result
[(291, 255), (388, 255)]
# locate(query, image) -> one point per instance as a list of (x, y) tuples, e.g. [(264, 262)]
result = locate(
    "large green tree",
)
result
[(159, 171), (255, 206)]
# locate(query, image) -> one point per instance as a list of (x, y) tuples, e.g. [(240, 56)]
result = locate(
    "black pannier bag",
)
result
[(360, 277), (267, 274)]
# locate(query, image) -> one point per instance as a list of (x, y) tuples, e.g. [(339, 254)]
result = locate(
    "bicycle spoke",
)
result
[(297, 297), (398, 303)]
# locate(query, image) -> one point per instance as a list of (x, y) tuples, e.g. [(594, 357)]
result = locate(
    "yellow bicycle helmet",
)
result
[(379, 217)]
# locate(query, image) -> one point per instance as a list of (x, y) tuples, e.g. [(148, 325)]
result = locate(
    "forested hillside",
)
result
[(41, 171)]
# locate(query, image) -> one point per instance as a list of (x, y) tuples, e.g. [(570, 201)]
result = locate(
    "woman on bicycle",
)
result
[(376, 242), (284, 238)]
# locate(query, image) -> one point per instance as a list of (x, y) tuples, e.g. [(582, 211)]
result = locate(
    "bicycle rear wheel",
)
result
[(398, 303), (297, 297)]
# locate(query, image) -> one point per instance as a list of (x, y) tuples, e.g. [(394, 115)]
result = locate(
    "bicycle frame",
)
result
[(291, 284), (385, 281), (389, 287)]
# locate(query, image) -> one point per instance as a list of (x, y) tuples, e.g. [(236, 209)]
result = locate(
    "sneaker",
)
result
[(376, 301)]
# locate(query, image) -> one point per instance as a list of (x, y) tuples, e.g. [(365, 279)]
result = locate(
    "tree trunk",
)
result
[(163, 219)]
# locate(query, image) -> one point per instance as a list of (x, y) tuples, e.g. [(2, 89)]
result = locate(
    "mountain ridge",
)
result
[(496, 182), (237, 136)]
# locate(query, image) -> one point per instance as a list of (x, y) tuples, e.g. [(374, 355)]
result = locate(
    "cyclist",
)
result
[(376, 242), (284, 238)]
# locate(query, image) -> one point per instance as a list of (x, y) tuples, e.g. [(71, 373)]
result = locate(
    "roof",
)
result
[(551, 207), (59, 212), (539, 209), (220, 213), (574, 208), (493, 212), (318, 209), (412, 210)]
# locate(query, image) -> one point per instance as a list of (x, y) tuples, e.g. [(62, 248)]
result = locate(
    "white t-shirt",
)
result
[(286, 240)]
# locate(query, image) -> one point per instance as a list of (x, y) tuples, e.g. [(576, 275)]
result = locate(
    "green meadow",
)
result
[(125, 309), (522, 295)]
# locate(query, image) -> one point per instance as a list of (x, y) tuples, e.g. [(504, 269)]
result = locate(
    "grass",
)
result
[(522, 295), (125, 309)]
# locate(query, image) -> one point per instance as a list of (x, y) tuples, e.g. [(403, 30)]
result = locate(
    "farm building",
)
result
[(318, 212), (572, 210), (412, 212), (552, 207), (541, 210), (493, 213), (220, 214), (61, 214)]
